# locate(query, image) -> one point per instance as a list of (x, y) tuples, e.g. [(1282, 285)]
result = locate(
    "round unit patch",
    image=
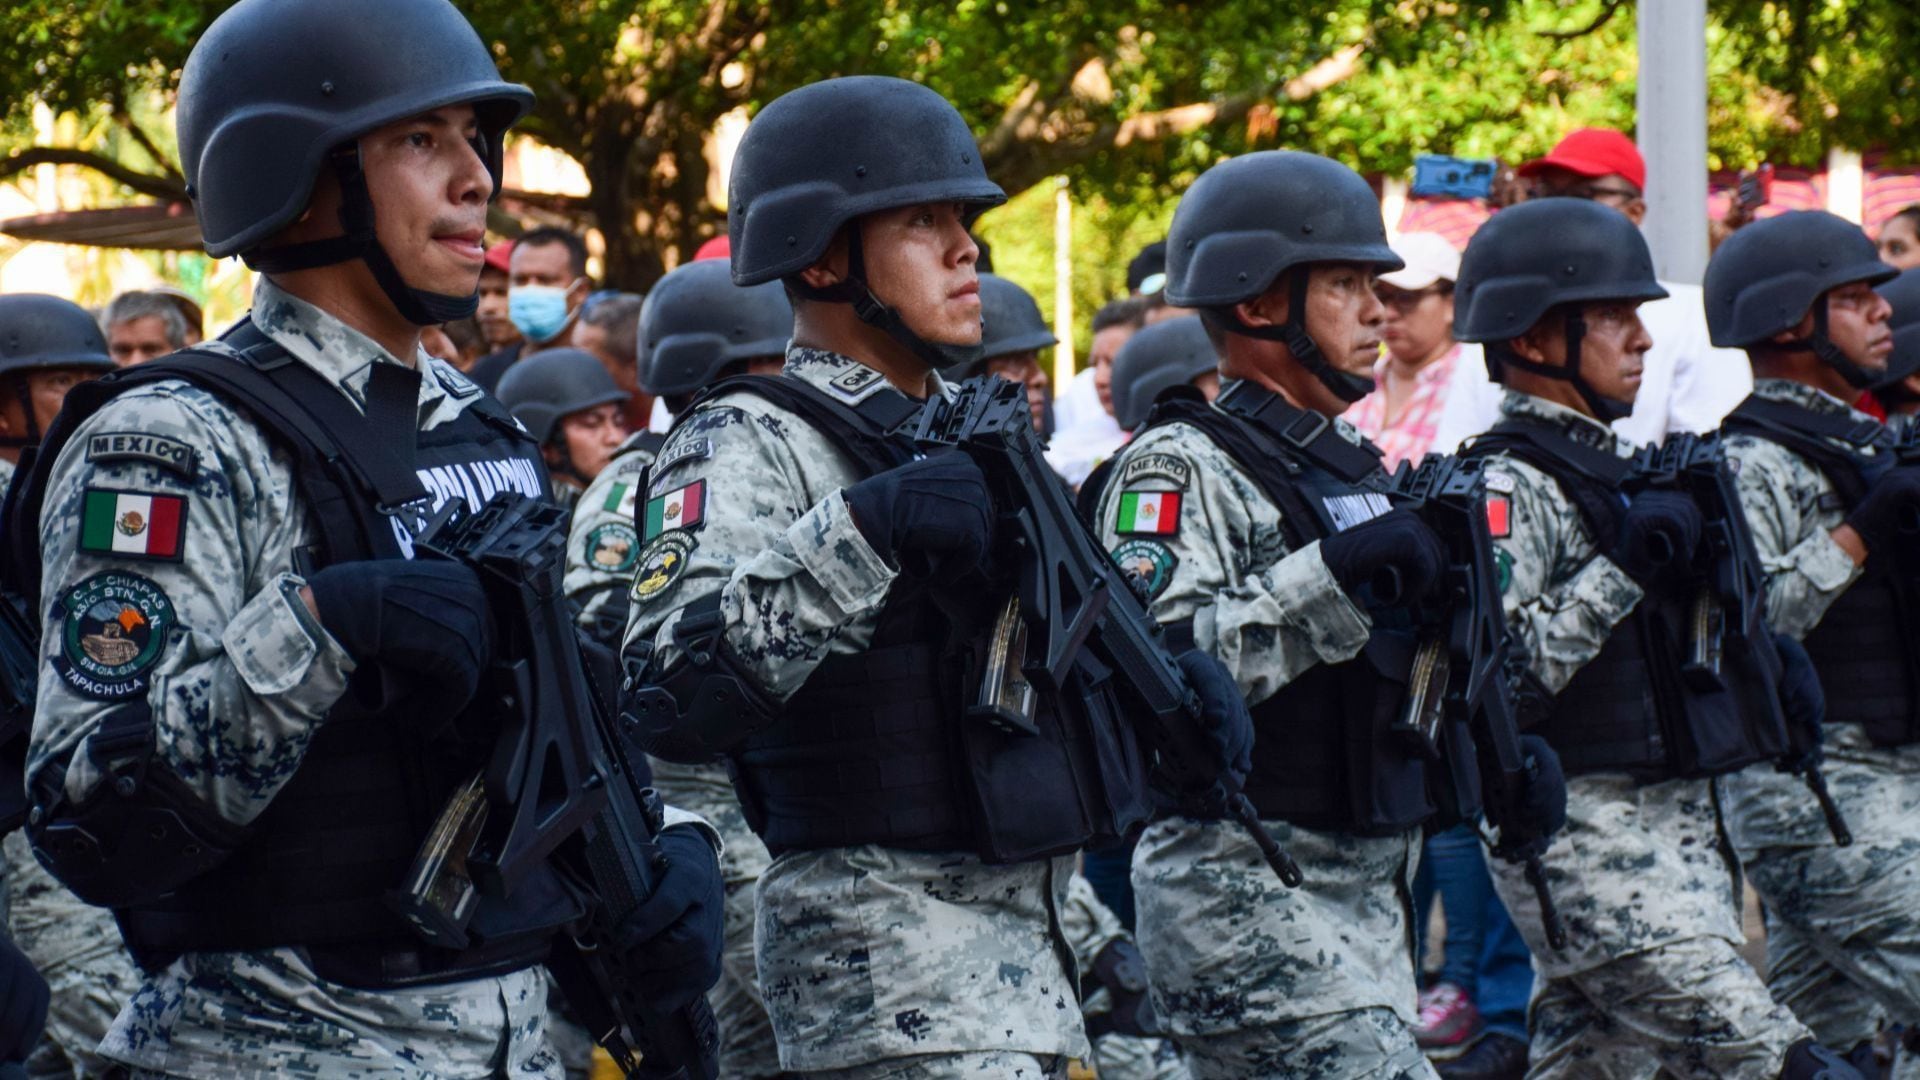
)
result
[(613, 548), (661, 563), (113, 630), (1147, 565)]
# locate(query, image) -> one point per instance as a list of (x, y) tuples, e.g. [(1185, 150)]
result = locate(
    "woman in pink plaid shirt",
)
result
[(1401, 414)]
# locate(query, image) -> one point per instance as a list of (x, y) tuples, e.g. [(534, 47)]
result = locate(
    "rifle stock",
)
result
[(1073, 597)]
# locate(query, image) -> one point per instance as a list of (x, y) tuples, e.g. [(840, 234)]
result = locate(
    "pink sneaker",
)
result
[(1447, 1017)]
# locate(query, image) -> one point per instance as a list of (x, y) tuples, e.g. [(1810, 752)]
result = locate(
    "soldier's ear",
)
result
[(831, 268), (1796, 333), (1270, 307), (1530, 346)]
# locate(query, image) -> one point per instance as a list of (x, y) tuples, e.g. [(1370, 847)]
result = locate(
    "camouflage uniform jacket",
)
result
[(1229, 947), (1637, 866), (238, 675), (865, 953)]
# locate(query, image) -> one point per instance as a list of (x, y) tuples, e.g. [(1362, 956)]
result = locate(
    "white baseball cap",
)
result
[(1429, 258)]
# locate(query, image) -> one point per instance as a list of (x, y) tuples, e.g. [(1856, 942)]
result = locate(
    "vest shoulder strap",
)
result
[(1806, 432), (1590, 477), (1301, 432), (865, 432)]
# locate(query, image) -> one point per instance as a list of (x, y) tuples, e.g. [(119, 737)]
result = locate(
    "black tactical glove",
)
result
[(1223, 709), (1396, 552), (1658, 537), (932, 517), (1545, 800), (672, 941), (421, 624), (23, 1004), (1802, 699), (1808, 1060), (1888, 518)]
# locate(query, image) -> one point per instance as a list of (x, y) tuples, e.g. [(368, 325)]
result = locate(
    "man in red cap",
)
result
[(496, 328), (1687, 384)]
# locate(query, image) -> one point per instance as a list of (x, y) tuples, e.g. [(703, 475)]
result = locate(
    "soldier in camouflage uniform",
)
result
[(1898, 389), (788, 611), (51, 346), (243, 733), (1831, 513), (1260, 550), (1117, 1007), (573, 409), (696, 328), (1651, 978)]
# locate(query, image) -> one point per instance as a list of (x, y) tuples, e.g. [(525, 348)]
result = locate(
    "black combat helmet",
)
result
[(1250, 219), (696, 322), (1531, 258), (1170, 353), (1010, 322), (821, 156), (1903, 293), (275, 90), (1768, 275), (39, 331), (548, 385)]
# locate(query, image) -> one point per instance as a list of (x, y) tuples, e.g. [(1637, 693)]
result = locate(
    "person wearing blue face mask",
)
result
[(547, 285)]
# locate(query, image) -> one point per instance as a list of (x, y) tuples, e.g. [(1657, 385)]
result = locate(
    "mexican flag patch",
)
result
[(133, 523), (681, 508), (1155, 513)]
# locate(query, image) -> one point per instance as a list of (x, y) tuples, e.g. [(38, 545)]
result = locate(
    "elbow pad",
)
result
[(138, 836), (703, 707)]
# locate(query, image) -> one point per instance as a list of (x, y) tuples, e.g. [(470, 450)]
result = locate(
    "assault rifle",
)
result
[(1073, 598), (1730, 590), (1463, 670), (560, 784)]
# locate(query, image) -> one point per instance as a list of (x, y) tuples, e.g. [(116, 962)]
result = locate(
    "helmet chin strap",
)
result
[(870, 309), (1829, 354), (25, 397), (1306, 352), (1606, 409), (359, 241)]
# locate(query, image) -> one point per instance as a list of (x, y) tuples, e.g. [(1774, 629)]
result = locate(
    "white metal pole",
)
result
[(1672, 102), (1062, 284)]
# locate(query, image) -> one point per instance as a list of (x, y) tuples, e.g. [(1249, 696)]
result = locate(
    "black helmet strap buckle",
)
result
[(1306, 352), (1822, 346), (359, 240), (1606, 409), (870, 309)]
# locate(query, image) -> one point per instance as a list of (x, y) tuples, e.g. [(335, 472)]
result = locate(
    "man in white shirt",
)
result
[(1687, 385)]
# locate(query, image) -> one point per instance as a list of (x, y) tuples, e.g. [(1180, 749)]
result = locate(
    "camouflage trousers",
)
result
[(993, 1065), (1371, 1044), (1692, 1007), (77, 949), (1131, 1057), (747, 1047)]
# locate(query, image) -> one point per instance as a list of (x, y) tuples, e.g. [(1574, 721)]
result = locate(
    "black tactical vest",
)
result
[(879, 747), (1329, 752), (344, 830), (1631, 708), (1867, 644)]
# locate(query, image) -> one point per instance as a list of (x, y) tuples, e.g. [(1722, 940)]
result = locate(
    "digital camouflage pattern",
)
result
[(1369, 1044), (1239, 962), (603, 543), (865, 955), (237, 686), (1650, 973), (1090, 927), (1843, 924), (76, 947)]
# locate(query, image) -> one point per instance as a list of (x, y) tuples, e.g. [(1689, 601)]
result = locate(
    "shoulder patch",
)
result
[(612, 548), (1147, 565), (1161, 466), (1499, 517), (1501, 482), (1502, 568), (133, 524), (661, 564), (682, 508), (456, 384), (113, 630), (1153, 513), (691, 450), (620, 499), (171, 454), (855, 382)]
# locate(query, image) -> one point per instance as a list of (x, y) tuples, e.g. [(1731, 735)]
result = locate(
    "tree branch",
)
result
[(1606, 15), (169, 188), (146, 143)]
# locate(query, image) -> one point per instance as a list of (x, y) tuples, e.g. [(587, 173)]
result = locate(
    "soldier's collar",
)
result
[(1578, 426), (843, 377), (1807, 397), (343, 355)]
